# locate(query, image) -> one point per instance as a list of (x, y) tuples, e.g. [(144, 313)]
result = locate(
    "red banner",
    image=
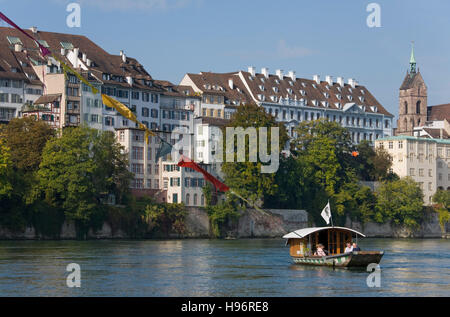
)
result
[(186, 162)]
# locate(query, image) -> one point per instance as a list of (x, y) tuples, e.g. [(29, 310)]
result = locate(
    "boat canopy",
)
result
[(299, 234)]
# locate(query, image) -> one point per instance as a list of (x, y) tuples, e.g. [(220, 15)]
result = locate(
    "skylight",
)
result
[(67, 45), (14, 40)]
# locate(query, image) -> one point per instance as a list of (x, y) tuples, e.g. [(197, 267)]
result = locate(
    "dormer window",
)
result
[(275, 89), (261, 87), (361, 98), (339, 88), (362, 92), (338, 105), (251, 78), (338, 96), (327, 95), (314, 86), (261, 97), (303, 84), (350, 90), (327, 87), (262, 79), (291, 83), (274, 98), (303, 93), (277, 81), (325, 104), (314, 102), (374, 108), (289, 90), (350, 97)]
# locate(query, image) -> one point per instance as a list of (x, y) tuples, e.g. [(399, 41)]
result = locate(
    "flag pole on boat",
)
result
[(326, 214)]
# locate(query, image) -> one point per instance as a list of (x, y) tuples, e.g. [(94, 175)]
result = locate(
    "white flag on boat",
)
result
[(326, 213)]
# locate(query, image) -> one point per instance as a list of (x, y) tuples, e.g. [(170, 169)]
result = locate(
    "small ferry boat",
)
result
[(303, 244)]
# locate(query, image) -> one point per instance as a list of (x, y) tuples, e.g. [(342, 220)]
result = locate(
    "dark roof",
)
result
[(411, 80), (439, 112), (218, 84), (436, 133), (102, 61), (47, 99), (214, 121)]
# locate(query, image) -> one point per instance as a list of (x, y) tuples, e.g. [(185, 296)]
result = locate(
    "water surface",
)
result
[(214, 268)]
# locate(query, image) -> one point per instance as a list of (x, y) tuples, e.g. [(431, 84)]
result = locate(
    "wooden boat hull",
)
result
[(354, 259)]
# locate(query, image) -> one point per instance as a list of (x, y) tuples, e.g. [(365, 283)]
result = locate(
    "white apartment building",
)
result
[(426, 160), (293, 100)]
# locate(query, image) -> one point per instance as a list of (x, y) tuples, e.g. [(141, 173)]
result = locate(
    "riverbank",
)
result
[(252, 224)]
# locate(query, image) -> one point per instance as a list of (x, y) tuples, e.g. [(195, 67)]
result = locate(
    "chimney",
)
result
[(130, 80), (124, 58), (351, 82), (18, 47), (88, 62), (34, 29), (329, 79), (292, 75), (316, 78), (279, 73), (121, 52), (230, 83), (265, 72), (76, 52), (442, 133), (84, 57), (340, 81), (252, 70), (63, 51)]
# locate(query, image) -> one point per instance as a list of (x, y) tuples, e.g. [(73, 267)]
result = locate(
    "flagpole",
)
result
[(331, 215)]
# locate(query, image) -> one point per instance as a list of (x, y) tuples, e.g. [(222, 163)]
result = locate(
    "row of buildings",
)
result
[(185, 114)]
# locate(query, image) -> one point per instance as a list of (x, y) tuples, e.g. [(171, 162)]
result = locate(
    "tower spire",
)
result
[(412, 61)]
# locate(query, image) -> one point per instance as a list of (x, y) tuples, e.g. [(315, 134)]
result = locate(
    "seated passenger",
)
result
[(349, 248), (355, 247), (320, 250)]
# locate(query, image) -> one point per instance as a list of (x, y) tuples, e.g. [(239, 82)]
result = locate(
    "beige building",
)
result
[(425, 160)]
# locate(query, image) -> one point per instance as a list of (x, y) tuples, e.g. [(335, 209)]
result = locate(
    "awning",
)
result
[(307, 231)]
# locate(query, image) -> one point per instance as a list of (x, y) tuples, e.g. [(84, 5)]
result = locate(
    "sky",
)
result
[(327, 37)]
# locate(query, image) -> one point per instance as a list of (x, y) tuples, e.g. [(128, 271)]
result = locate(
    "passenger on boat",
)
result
[(349, 248), (355, 247), (320, 251)]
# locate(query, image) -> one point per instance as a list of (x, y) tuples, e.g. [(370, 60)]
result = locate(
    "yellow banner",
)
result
[(127, 113), (67, 68)]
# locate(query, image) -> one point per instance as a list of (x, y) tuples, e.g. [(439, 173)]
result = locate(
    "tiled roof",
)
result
[(170, 89), (218, 84), (218, 122), (102, 61), (326, 95), (439, 112), (47, 99), (436, 133)]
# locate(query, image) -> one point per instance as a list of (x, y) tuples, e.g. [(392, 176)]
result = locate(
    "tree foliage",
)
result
[(246, 177), (79, 170), (400, 202)]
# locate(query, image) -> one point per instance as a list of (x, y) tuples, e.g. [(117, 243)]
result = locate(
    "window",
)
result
[(135, 95), (400, 144), (122, 136), (137, 168), (412, 172), (138, 136), (137, 153), (145, 112), (145, 96), (15, 98), (154, 113), (109, 121), (14, 40)]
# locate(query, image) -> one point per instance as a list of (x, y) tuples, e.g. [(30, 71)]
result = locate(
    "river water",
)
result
[(246, 268)]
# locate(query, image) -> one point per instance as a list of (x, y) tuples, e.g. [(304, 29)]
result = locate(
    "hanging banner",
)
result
[(186, 162), (44, 50), (69, 69)]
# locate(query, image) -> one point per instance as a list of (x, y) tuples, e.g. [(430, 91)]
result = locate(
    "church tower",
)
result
[(413, 100)]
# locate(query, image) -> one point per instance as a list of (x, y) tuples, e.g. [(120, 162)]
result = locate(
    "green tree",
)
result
[(400, 202), (442, 200), (26, 138), (79, 170), (6, 187), (372, 164), (246, 177)]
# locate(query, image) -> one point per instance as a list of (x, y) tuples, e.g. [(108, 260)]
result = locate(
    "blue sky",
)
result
[(326, 37)]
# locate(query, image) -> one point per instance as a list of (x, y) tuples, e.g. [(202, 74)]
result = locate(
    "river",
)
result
[(214, 268)]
